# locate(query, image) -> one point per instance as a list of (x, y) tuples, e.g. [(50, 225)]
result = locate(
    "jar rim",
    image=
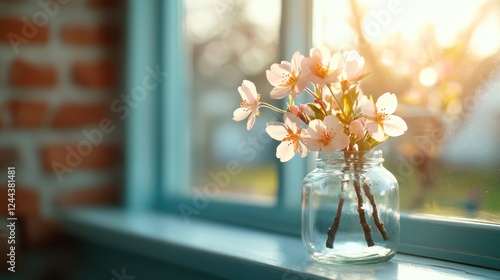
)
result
[(366, 156)]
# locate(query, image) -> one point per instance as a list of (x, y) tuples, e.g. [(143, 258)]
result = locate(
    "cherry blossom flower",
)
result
[(249, 106), (286, 77), (327, 135), (322, 66), (292, 136), (353, 66), (380, 120)]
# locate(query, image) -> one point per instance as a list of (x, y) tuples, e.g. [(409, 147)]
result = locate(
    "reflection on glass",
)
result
[(441, 59), (231, 40)]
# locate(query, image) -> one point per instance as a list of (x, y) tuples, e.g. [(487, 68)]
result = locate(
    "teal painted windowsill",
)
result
[(232, 252)]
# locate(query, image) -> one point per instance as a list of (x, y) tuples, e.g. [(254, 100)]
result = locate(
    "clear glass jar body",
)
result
[(350, 209)]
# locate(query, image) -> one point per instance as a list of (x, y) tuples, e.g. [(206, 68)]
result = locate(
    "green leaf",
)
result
[(342, 119), (361, 77), (364, 145), (318, 114), (348, 101), (374, 143)]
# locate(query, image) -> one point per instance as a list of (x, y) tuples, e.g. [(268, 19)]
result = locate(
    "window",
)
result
[(229, 41), (212, 166), (443, 66), (188, 147)]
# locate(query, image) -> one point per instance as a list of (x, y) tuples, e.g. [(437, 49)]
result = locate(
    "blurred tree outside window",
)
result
[(441, 58), (442, 63)]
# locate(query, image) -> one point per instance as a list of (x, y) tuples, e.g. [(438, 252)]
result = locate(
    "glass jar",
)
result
[(350, 209)]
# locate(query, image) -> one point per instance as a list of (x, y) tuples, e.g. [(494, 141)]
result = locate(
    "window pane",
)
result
[(441, 58), (230, 41)]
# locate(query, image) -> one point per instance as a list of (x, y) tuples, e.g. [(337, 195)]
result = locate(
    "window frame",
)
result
[(155, 39)]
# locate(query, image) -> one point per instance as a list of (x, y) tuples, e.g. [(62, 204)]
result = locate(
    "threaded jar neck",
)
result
[(355, 158)]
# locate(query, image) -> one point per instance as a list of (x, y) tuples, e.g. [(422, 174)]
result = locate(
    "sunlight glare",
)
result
[(264, 13), (428, 77), (486, 39)]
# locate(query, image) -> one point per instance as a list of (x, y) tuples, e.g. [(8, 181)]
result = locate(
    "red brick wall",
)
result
[(60, 71)]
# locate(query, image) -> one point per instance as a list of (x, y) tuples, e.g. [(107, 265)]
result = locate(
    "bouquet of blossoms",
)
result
[(339, 118)]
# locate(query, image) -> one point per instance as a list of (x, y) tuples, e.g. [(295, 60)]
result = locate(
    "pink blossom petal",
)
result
[(296, 63), (301, 84), (315, 52), (357, 128), (368, 108), (276, 75), (251, 121), (279, 92), (315, 128), (295, 110), (339, 142), (252, 91), (292, 122), (315, 144), (375, 130), (333, 124), (303, 149), (328, 149), (248, 91)]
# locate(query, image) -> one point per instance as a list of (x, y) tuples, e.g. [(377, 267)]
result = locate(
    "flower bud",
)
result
[(295, 110), (357, 128)]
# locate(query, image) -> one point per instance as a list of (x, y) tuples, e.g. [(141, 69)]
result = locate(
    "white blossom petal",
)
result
[(277, 130), (387, 103), (353, 67), (394, 126), (240, 114), (285, 151)]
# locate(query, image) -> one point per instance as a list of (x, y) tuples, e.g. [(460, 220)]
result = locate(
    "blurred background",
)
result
[(442, 63), (62, 79)]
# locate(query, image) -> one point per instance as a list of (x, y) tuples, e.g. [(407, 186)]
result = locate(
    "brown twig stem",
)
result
[(361, 213), (332, 231), (376, 218)]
